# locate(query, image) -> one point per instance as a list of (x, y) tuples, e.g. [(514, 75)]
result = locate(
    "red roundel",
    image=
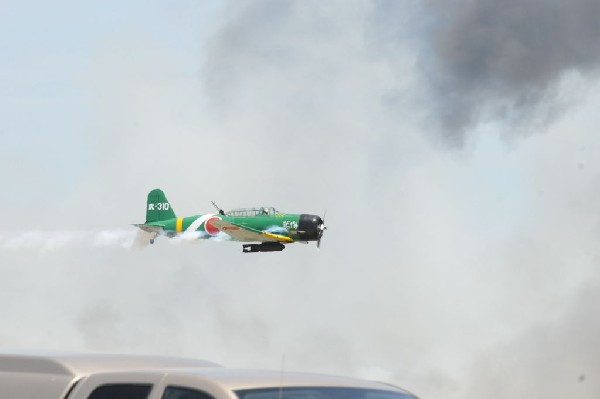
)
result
[(210, 229)]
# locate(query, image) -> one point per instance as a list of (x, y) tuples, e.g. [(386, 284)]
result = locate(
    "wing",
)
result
[(242, 233)]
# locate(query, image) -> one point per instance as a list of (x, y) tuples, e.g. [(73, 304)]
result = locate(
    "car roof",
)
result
[(235, 379), (73, 364)]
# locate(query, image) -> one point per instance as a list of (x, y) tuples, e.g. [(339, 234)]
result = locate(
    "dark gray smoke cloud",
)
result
[(476, 60), (505, 57)]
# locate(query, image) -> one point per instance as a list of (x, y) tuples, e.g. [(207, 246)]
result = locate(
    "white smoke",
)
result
[(197, 236), (63, 239), (48, 241)]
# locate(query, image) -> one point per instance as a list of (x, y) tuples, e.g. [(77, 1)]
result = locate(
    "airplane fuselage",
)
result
[(294, 227)]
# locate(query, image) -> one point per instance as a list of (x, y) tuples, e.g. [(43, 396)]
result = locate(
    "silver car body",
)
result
[(76, 376)]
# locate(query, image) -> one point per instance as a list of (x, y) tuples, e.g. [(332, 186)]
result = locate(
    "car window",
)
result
[(121, 391), (176, 392)]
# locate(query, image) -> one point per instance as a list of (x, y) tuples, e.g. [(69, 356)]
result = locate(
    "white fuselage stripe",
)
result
[(198, 222)]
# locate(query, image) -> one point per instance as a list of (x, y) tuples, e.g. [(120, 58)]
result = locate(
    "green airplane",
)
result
[(265, 227)]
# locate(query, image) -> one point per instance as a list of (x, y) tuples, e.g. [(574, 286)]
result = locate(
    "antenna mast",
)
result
[(221, 212)]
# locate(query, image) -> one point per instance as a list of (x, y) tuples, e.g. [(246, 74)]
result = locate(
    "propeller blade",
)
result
[(322, 229)]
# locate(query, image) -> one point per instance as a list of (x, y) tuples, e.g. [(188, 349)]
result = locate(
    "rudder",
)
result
[(157, 207)]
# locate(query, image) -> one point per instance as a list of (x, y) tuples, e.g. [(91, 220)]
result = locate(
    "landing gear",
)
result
[(152, 241), (264, 247)]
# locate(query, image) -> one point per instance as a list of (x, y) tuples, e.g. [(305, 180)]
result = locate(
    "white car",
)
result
[(79, 376)]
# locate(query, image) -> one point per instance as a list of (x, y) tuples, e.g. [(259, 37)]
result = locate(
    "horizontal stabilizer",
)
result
[(150, 228)]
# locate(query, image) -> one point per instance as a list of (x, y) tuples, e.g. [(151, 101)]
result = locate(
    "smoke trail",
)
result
[(64, 239), (118, 238)]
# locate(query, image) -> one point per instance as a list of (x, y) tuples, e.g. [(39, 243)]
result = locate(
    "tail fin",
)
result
[(157, 207)]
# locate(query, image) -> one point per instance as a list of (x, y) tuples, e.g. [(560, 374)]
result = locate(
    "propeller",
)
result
[(321, 229)]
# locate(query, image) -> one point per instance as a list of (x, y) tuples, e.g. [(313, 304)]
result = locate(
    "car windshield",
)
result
[(320, 393)]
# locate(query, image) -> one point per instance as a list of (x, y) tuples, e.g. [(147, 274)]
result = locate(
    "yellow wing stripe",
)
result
[(277, 237), (179, 225)]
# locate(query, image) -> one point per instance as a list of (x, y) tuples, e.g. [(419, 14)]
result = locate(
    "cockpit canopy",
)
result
[(261, 211)]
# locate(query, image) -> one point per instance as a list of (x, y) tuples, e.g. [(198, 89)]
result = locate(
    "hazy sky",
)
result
[(453, 144)]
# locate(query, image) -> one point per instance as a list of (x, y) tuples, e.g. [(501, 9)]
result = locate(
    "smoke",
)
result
[(461, 63), (440, 269), (38, 240), (63, 239), (197, 236), (562, 349), (505, 60)]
